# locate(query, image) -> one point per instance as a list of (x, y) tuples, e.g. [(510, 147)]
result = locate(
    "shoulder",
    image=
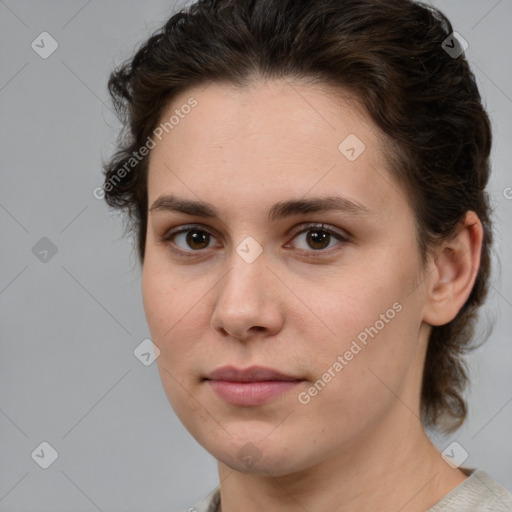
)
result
[(210, 503), (479, 492)]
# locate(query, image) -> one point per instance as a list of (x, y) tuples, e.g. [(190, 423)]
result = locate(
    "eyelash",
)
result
[(167, 239)]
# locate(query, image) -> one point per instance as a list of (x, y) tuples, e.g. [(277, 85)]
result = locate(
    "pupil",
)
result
[(314, 239), (198, 237)]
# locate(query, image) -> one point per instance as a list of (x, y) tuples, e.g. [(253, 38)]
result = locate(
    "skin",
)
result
[(358, 444)]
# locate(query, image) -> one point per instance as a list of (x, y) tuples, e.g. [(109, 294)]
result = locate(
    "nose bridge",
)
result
[(244, 282), (245, 298)]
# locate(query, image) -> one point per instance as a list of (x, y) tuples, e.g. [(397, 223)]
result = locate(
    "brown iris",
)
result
[(198, 237), (316, 239)]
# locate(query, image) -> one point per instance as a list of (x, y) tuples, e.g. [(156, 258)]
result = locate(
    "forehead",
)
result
[(280, 109), (269, 139)]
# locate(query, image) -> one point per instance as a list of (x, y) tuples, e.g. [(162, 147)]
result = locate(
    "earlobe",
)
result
[(456, 268)]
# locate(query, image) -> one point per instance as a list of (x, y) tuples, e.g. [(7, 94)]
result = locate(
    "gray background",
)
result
[(69, 325)]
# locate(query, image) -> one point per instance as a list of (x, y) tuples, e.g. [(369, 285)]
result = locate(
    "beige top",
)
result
[(478, 493)]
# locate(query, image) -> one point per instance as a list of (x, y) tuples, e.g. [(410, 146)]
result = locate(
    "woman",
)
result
[(306, 184)]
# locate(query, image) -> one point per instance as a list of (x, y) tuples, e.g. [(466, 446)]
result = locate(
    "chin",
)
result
[(257, 466), (263, 456)]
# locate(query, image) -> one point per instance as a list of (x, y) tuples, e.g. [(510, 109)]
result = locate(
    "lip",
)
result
[(250, 386), (251, 374)]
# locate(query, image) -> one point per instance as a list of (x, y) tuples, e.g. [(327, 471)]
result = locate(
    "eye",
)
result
[(188, 239), (319, 238)]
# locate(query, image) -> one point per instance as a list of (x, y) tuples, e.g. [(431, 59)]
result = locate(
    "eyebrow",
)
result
[(280, 210)]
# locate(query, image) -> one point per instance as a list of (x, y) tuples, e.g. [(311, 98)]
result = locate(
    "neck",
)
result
[(392, 466)]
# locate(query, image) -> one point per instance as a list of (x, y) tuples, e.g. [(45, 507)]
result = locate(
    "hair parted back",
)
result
[(388, 54)]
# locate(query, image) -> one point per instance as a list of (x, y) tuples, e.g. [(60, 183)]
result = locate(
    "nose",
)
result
[(249, 300)]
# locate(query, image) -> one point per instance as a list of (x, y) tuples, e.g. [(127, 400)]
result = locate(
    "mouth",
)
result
[(251, 386)]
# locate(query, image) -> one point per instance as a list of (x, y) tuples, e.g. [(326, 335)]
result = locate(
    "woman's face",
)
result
[(257, 281)]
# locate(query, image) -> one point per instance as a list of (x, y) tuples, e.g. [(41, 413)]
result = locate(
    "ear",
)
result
[(455, 269)]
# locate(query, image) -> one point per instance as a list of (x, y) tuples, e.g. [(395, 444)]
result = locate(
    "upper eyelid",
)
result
[(320, 226), (184, 228)]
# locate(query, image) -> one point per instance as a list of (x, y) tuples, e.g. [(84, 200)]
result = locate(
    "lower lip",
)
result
[(251, 393)]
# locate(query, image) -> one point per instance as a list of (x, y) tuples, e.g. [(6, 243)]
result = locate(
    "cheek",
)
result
[(164, 306), (175, 314), (156, 298), (166, 296), (373, 327), (358, 391), (351, 304)]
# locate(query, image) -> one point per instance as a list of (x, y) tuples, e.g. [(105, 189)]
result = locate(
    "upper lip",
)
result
[(251, 374)]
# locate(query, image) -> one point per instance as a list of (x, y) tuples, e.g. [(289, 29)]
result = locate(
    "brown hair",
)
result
[(392, 55)]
